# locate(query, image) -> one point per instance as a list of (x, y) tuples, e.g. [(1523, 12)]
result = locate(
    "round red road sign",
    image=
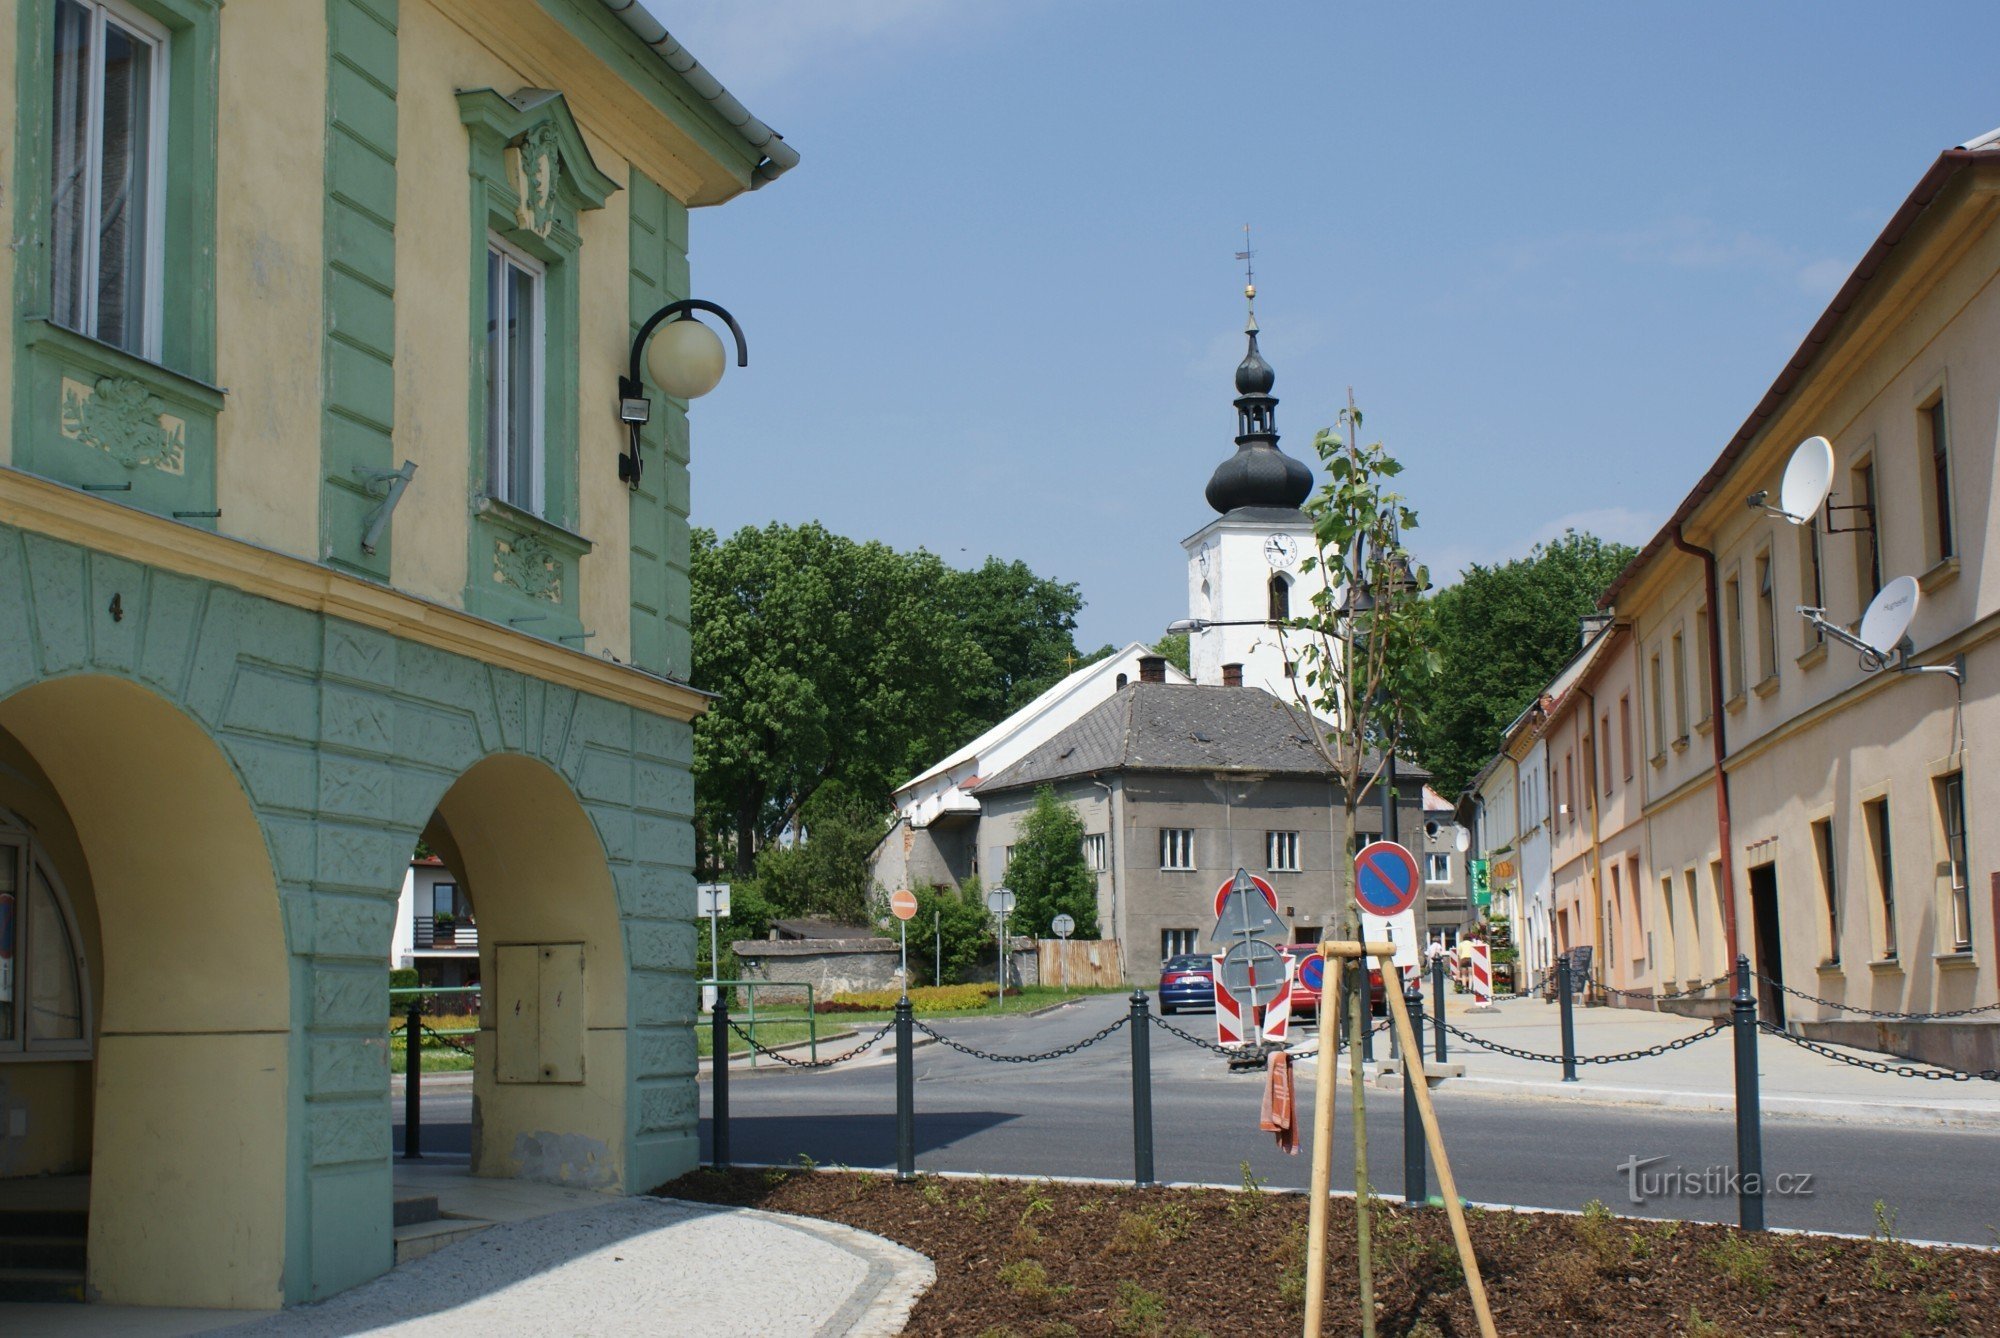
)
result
[(903, 903), (1222, 893)]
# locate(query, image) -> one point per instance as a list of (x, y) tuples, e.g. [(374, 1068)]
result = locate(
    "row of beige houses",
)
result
[(1714, 773)]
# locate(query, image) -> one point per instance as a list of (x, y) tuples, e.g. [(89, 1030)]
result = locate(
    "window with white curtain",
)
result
[(106, 184), (514, 322)]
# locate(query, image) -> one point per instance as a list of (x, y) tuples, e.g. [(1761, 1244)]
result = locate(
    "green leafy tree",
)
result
[(833, 660), (1047, 872), (825, 872), (1174, 645), (1366, 659), (841, 661), (1026, 627), (959, 917), (1501, 634)]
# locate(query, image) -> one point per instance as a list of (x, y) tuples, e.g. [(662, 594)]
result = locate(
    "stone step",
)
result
[(41, 1284), (45, 1222), (30, 1251), (422, 1238), (412, 1209)]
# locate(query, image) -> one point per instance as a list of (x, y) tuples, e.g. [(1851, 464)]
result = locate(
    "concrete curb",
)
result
[(1792, 1107), (897, 1275)]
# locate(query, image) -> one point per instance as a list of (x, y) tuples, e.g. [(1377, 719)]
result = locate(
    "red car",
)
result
[(1305, 1001)]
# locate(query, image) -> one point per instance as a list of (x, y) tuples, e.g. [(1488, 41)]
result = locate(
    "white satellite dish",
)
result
[(1889, 616), (1807, 477), (1463, 840)]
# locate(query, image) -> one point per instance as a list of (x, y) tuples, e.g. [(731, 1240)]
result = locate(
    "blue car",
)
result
[(1187, 982)]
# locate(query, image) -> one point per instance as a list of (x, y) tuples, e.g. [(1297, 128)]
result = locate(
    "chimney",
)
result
[(1152, 668), (1591, 625), (1232, 675)]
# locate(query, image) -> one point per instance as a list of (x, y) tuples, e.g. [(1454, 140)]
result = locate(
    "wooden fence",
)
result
[(1078, 962)]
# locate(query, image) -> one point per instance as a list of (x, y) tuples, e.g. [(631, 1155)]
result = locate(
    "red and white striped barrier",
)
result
[(1233, 1024), (1482, 974)]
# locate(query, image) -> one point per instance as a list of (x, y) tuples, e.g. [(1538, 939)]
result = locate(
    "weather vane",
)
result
[(1247, 256)]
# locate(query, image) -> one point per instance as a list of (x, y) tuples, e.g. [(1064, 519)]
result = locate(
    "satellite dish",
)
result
[(1463, 840), (1807, 478), (1889, 616)]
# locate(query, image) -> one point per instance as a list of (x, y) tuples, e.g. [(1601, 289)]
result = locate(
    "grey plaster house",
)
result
[(1179, 785)]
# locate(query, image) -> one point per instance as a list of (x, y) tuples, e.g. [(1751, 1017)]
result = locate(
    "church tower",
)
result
[(1244, 567)]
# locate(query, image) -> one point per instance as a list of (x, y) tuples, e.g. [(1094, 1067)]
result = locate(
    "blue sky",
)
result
[(1558, 250)]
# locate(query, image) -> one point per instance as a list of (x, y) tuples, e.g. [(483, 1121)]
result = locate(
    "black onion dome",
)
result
[(1259, 474), (1253, 375)]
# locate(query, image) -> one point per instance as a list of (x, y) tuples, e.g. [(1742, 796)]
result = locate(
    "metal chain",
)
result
[(1229, 1052), (1884, 1014), (1688, 993), (1875, 1066), (789, 1062), (449, 1042), (1057, 1053), (1648, 1053)]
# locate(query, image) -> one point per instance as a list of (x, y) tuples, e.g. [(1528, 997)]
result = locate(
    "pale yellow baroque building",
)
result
[(1839, 826), (320, 536)]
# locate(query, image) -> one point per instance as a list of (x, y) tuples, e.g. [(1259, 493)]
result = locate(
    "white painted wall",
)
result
[(1229, 572)]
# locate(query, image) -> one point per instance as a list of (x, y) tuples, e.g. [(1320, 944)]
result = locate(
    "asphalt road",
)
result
[(1073, 1117)]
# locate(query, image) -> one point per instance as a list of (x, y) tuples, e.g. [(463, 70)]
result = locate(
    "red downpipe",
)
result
[(1716, 713)]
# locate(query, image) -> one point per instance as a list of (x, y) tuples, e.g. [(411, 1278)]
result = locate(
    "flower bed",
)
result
[(926, 999)]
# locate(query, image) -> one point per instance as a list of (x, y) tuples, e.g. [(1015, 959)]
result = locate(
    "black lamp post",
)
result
[(686, 361)]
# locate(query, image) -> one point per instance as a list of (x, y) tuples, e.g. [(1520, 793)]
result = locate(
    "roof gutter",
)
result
[(779, 157), (1718, 736)]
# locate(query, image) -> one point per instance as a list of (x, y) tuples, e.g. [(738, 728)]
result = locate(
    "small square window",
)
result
[(1176, 943), (1437, 866), (1177, 848)]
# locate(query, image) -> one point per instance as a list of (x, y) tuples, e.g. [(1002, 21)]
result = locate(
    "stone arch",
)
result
[(550, 1068), (193, 1061)]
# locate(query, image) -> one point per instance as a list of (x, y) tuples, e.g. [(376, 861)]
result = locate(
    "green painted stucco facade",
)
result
[(344, 739)]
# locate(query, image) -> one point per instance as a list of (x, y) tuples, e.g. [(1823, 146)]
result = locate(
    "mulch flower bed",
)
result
[(1034, 1259)]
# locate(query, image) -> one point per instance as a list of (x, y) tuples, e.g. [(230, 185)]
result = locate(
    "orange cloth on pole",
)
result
[(1278, 1116)]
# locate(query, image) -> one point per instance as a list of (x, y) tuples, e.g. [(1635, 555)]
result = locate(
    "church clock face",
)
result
[(1281, 551)]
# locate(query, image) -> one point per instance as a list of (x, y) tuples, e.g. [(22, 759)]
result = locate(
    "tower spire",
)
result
[(1259, 474)]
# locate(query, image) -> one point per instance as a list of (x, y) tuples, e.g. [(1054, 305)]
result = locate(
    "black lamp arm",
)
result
[(632, 385)]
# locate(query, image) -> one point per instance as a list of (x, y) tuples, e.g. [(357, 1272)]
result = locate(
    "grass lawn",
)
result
[(771, 1032), (437, 1058)]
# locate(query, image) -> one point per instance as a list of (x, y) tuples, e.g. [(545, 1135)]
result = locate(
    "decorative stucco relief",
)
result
[(126, 421), (529, 565)]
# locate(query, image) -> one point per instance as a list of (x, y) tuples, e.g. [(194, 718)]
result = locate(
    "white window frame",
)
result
[(1437, 859), (1176, 937), (1177, 841), (21, 1047), (1094, 847), (1281, 852), (152, 297), (499, 456)]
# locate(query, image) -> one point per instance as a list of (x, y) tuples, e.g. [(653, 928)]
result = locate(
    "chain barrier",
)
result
[(458, 1043), (1057, 1053), (1881, 1013), (1649, 1052), (789, 1062), (1690, 992), (1229, 1052), (1905, 1070)]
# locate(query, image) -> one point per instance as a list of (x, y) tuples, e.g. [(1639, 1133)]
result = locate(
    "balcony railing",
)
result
[(434, 934)]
